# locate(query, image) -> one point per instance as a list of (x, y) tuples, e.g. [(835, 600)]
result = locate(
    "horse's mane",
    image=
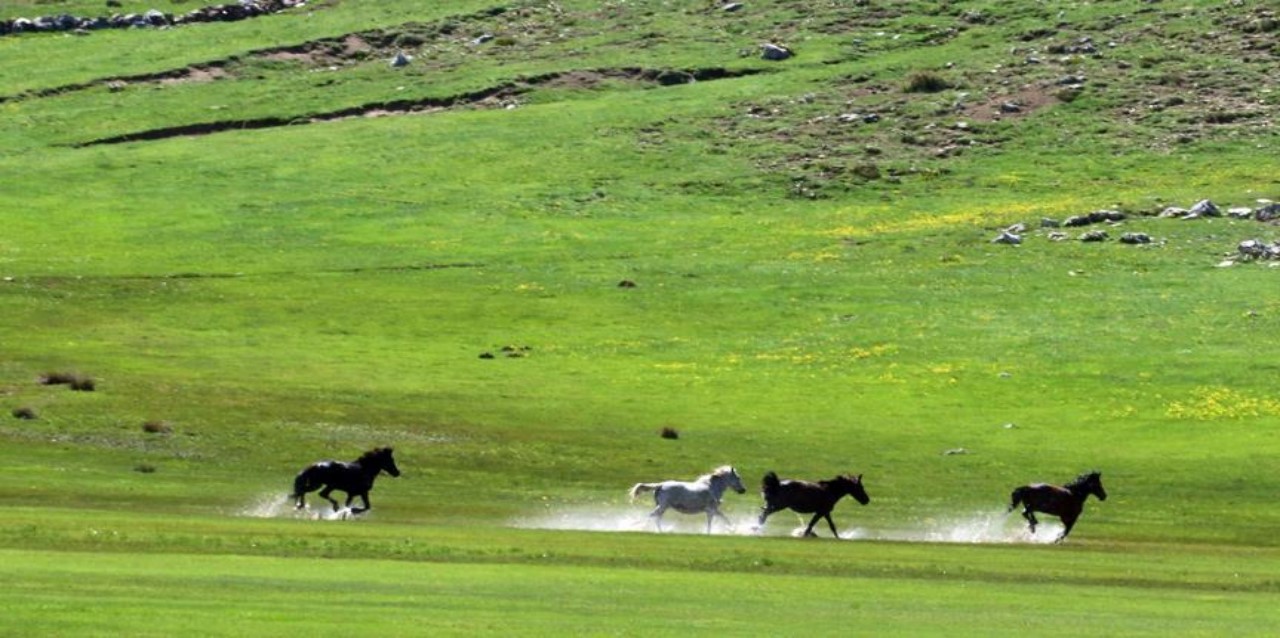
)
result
[(1084, 479), (373, 454), (723, 470)]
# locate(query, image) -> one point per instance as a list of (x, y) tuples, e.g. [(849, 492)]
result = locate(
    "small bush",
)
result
[(926, 82), (157, 427), (83, 384), (25, 413), (57, 378), (144, 468), (670, 433)]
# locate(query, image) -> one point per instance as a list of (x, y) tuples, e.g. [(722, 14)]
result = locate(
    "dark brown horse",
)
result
[(354, 478), (810, 498), (1066, 501)]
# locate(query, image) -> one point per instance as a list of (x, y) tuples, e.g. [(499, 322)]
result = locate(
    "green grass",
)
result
[(282, 295)]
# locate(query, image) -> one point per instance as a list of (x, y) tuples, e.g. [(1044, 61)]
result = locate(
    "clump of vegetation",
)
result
[(144, 468), (669, 432), (76, 382), (927, 82), (25, 413), (157, 427), (57, 378)]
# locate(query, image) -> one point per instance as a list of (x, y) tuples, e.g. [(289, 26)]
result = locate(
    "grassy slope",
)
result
[(288, 294)]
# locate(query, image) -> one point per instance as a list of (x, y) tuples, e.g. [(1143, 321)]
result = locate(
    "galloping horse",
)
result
[(806, 497), (354, 478), (700, 495), (1066, 502)]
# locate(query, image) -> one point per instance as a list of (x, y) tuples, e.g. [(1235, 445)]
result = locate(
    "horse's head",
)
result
[(852, 486), (730, 475), (1095, 485), (384, 461)]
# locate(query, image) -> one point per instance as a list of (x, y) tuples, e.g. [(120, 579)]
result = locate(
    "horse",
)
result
[(808, 497), (1065, 501), (699, 495), (354, 478)]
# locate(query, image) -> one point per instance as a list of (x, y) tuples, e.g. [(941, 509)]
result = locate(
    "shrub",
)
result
[(26, 413), (927, 82), (57, 378), (156, 427)]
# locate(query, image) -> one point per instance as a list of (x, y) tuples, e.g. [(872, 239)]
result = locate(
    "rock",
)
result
[(1094, 236), (1205, 208), (400, 60), (1266, 211), (1135, 238), (775, 52), (1045, 222), (1007, 237), (731, 7)]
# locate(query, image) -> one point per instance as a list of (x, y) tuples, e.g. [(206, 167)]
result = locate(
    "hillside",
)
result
[(548, 250)]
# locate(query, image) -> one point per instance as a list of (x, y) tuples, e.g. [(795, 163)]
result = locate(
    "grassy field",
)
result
[(267, 246)]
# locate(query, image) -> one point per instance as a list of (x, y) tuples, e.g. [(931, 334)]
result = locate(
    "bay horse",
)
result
[(354, 478), (699, 495), (808, 497), (1065, 501)]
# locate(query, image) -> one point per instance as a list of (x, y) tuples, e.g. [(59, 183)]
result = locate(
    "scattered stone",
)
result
[(775, 52), (1204, 208), (626, 283), (1096, 217), (955, 451), (1057, 236), (1007, 237), (669, 432), (1254, 249), (1135, 238), (731, 7), (402, 59), (154, 18), (1094, 236), (1049, 223)]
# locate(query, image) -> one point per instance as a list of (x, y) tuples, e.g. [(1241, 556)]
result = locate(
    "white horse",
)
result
[(700, 495)]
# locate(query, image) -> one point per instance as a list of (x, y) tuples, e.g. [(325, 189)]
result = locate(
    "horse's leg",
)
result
[(715, 511), (325, 495), (832, 524), (656, 515), (765, 512), (364, 496), (1031, 518), (1068, 522), (808, 531)]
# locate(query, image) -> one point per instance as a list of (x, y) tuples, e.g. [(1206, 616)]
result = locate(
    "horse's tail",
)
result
[(641, 488), (1015, 498), (770, 484), (302, 483)]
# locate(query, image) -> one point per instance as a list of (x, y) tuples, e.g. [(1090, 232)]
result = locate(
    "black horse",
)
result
[(354, 478), (1066, 501), (806, 497)]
